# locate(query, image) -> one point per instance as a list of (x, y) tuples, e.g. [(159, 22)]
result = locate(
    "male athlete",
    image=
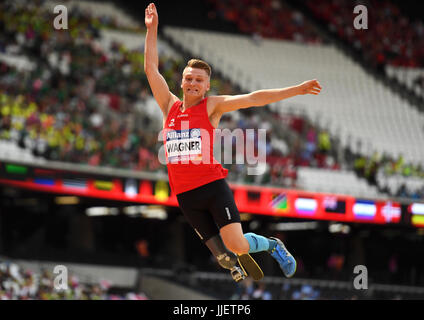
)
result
[(203, 194)]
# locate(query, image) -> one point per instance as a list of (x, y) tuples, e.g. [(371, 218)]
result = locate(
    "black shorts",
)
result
[(209, 207)]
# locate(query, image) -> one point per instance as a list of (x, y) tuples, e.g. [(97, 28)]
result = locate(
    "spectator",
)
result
[(17, 283)]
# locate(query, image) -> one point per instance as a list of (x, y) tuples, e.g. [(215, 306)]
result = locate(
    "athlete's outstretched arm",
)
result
[(157, 83), (227, 103)]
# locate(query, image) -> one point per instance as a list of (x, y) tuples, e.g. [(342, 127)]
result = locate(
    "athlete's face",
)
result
[(195, 82)]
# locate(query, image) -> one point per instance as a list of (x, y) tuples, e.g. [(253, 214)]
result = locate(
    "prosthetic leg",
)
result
[(226, 258)]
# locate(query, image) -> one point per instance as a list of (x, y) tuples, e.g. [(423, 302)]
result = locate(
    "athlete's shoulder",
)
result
[(174, 99), (213, 98), (214, 102)]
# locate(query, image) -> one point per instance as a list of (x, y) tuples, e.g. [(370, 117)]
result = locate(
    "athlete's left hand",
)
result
[(310, 87)]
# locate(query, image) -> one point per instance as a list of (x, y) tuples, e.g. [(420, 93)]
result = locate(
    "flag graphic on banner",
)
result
[(306, 206), (280, 203), (391, 212), (417, 214), (334, 205), (75, 183), (364, 209)]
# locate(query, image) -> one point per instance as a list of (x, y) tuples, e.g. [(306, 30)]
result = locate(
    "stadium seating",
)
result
[(395, 182), (350, 102), (9, 150), (394, 41), (335, 181), (118, 46), (346, 114), (412, 78), (356, 138), (274, 19), (19, 282), (221, 286), (20, 63)]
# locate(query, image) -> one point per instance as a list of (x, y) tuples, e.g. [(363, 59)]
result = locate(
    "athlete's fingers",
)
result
[(316, 83), (153, 8)]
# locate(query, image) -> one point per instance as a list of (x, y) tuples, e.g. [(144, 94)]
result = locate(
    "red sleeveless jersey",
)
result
[(188, 139)]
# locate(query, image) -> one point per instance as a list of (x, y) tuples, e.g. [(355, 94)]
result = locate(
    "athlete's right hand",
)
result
[(151, 16)]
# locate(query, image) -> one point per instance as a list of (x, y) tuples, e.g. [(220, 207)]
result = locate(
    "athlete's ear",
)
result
[(182, 78)]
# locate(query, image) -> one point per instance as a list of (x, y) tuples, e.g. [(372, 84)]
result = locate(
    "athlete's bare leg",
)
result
[(233, 238)]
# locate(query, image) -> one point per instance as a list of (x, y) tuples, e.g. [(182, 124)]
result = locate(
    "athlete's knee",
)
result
[(234, 240), (238, 246)]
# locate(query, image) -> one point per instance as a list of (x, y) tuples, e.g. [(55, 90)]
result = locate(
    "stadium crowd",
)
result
[(81, 104), (65, 109), (392, 43), (266, 18), (17, 283), (391, 38), (337, 13)]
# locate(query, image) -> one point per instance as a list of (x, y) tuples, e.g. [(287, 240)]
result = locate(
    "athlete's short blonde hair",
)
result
[(200, 64)]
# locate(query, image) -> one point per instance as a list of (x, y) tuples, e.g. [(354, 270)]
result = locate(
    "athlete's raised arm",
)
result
[(157, 83), (227, 103)]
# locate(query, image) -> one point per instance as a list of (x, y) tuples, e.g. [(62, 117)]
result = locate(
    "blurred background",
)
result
[(81, 184)]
